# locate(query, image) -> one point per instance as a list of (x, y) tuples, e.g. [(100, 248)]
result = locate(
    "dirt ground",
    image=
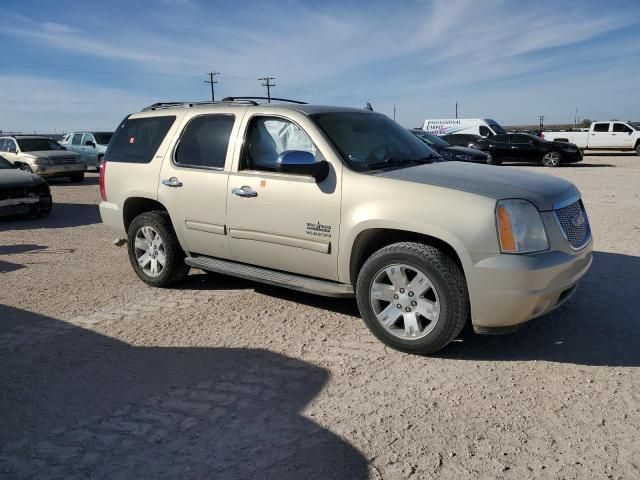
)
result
[(104, 377)]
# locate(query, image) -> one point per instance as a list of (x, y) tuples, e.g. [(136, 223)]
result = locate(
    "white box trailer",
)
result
[(484, 127)]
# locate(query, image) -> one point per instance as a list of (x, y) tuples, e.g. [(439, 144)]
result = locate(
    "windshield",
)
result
[(497, 128), (102, 138), (38, 144), (5, 164), (431, 139), (371, 141)]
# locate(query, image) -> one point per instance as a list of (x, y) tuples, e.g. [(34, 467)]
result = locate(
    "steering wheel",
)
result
[(373, 153)]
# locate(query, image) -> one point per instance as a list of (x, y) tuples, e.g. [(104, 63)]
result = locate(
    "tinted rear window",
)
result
[(137, 140)]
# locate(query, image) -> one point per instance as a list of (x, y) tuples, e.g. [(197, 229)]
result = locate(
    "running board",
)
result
[(272, 277)]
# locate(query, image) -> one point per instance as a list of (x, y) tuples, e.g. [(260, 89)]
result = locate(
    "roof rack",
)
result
[(161, 105), (235, 99)]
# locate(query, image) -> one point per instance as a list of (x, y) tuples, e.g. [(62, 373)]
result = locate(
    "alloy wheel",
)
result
[(405, 301), (149, 251)]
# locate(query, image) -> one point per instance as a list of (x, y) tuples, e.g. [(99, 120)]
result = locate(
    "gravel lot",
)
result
[(104, 377)]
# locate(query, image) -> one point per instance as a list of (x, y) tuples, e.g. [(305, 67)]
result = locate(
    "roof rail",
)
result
[(161, 105), (235, 99)]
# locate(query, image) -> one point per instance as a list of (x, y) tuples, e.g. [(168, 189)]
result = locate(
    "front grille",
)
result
[(59, 160), (575, 224)]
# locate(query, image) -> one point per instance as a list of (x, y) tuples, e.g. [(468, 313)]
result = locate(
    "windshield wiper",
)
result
[(393, 161)]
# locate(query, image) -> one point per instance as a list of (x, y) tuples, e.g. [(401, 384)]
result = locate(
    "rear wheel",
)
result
[(551, 159), (154, 250), (638, 149), (413, 297)]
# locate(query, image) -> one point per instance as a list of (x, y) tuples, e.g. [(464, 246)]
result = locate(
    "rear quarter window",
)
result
[(137, 140)]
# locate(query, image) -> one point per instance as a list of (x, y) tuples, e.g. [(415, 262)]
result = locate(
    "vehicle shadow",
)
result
[(16, 249), (562, 165), (77, 403), (63, 181), (605, 153), (63, 215), (598, 326)]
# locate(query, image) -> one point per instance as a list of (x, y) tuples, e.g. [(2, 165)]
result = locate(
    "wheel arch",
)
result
[(135, 206), (373, 239)]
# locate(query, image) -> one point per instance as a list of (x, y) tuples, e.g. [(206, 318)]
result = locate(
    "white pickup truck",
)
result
[(612, 135)]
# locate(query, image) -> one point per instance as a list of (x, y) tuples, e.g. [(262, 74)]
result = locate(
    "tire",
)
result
[(446, 296), (100, 158), (638, 149), (174, 269), (492, 160), (551, 159), (26, 168), (76, 177)]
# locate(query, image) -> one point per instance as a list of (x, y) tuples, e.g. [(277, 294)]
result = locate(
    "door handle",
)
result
[(172, 182), (244, 192)]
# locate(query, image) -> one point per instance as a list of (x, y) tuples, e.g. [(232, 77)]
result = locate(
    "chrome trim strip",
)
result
[(205, 227), (279, 239)]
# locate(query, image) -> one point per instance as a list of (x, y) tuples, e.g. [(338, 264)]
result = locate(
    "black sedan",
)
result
[(450, 152), (522, 147), (462, 139), (22, 193)]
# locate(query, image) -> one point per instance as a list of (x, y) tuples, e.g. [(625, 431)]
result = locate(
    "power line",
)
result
[(212, 82), (266, 82)]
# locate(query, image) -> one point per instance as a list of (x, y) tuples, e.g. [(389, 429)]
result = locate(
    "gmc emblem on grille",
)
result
[(578, 220)]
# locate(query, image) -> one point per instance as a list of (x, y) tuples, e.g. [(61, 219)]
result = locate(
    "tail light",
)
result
[(103, 171), (542, 135)]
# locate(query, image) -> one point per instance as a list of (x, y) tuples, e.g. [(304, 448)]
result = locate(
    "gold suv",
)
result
[(342, 202)]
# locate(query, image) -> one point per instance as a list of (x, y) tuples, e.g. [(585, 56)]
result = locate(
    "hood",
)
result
[(12, 178), (544, 191)]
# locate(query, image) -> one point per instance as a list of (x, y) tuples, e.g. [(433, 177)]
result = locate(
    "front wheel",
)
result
[(413, 297), (26, 168), (551, 159), (154, 250), (492, 160), (638, 150)]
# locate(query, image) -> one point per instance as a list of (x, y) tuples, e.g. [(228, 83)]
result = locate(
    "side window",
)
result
[(77, 139), (10, 145), (601, 127), (519, 139), (268, 137), (137, 140), (87, 138), (204, 141), (485, 132), (621, 128), (3, 145), (500, 138)]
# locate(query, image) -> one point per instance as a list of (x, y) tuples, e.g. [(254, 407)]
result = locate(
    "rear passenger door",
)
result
[(193, 182), (599, 136), (522, 148)]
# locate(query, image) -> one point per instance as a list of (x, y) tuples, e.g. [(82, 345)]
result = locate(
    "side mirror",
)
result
[(89, 144), (299, 162)]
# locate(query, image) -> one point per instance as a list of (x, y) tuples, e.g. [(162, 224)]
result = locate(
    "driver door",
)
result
[(277, 220)]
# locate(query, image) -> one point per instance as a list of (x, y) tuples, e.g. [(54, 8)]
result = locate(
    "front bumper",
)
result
[(59, 170), (509, 290)]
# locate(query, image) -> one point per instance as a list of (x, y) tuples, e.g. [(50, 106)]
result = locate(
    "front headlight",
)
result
[(462, 157), (520, 227), (42, 161)]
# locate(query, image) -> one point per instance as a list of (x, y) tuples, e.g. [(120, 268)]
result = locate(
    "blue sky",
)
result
[(84, 65)]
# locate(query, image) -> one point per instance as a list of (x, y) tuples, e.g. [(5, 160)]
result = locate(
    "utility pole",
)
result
[(394, 112), (575, 119), (541, 117), (456, 109), (212, 82), (266, 82)]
